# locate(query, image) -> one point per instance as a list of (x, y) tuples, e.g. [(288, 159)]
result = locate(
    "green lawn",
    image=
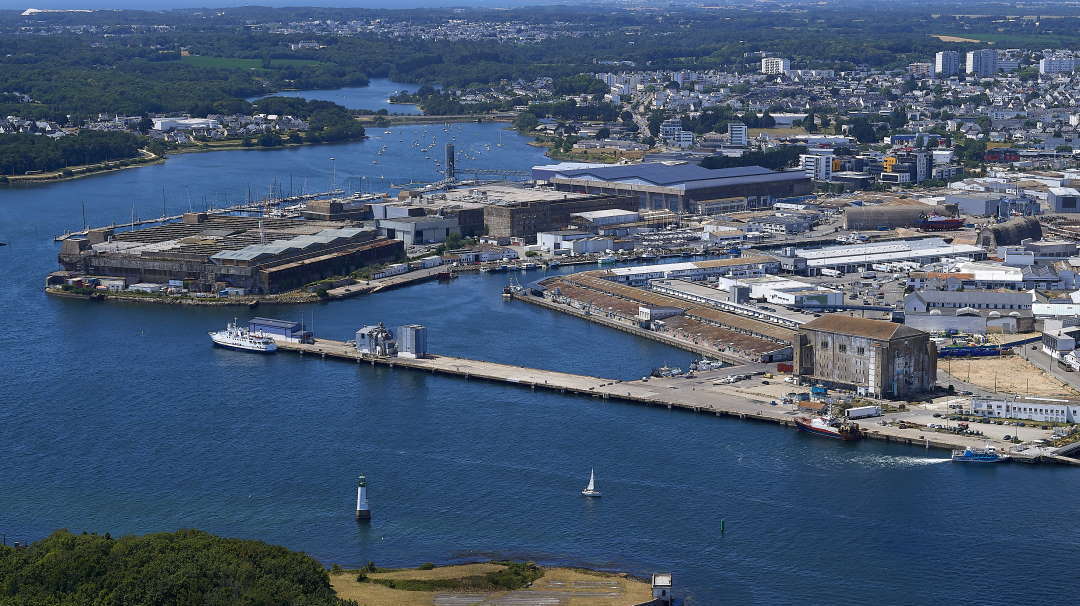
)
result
[(234, 63)]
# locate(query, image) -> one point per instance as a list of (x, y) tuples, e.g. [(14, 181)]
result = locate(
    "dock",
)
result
[(671, 393), (364, 287)]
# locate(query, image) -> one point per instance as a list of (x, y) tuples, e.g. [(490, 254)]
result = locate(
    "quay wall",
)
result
[(628, 391)]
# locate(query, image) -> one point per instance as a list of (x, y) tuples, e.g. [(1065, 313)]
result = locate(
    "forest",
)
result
[(23, 152), (137, 73), (168, 569)]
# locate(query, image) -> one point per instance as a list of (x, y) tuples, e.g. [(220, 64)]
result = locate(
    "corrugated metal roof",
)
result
[(689, 176)]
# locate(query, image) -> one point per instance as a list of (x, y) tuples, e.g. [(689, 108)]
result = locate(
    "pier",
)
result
[(671, 393)]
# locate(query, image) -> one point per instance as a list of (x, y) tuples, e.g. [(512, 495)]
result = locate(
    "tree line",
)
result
[(167, 569), (24, 152)]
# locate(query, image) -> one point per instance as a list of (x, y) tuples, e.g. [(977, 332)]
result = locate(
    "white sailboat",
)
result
[(590, 490)]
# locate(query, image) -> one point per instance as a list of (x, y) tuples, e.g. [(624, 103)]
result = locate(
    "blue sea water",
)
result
[(374, 96), (121, 418)]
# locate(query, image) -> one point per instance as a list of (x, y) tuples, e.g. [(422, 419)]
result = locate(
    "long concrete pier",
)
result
[(671, 393)]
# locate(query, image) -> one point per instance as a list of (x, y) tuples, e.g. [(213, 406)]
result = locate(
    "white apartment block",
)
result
[(1058, 65), (947, 63), (775, 65), (738, 134), (982, 62), (818, 167)]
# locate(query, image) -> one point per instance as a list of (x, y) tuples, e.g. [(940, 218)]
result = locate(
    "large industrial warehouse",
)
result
[(677, 187), (875, 357), (208, 253)]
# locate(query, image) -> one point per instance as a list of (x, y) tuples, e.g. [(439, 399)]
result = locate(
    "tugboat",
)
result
[(828, 427), (988, 454), (237, 337)]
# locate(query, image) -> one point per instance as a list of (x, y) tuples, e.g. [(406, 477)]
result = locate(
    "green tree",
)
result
[(526, 122)]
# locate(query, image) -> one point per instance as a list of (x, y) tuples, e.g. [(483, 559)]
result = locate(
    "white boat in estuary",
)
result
[(590, 490), (237, 337)]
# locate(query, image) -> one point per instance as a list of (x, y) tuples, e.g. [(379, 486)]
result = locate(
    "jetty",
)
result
[(674, 393)]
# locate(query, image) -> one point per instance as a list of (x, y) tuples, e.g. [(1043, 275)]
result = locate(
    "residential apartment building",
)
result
[(1058, 65), (738, 134), (982, 63), (817, 166), (775, 65), (947, 63)]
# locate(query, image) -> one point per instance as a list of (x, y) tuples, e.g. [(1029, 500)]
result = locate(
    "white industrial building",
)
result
[(607, 217), (854, 256), (696, 270), (1052, 410), (785, 291), (184, 123)]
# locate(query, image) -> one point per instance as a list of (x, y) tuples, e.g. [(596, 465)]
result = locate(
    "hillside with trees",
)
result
[(184, 568)]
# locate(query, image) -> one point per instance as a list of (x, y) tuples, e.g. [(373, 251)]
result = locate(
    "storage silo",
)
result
[(412, 341)]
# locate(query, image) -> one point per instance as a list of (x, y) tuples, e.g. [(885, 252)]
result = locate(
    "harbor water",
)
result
[(122, 418), (374, 96)]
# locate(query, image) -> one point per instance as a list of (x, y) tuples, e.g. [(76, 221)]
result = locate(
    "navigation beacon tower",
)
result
[(363, 512)]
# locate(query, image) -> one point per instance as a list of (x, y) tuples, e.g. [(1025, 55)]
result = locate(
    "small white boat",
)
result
[(590, 490)]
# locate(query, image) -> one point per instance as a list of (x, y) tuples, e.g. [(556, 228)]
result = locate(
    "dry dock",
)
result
[(672, 393)]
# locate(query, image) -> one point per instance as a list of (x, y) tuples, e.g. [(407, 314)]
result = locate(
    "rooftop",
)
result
[(879, 330), (678, 176)]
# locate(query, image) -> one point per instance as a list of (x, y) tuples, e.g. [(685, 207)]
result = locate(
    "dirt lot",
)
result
[(944, 38), (1009, 374), (570, 587)]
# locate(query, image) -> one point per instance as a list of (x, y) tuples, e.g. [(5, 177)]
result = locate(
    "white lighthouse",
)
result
[(363, 512)]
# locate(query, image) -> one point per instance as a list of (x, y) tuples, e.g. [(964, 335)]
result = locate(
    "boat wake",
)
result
[(898, 461)]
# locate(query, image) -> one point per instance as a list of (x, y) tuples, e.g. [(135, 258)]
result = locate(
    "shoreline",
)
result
[(290, 298), (80, 172)]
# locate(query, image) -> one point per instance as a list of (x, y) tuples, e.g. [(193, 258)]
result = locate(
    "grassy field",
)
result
[(614, 590), (777, 132), (233, 63)]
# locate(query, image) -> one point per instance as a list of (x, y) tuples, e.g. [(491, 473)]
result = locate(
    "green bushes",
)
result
[(515, 575), (185, 567)]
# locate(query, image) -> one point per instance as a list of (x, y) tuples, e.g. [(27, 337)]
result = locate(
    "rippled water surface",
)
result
[(122, 418)]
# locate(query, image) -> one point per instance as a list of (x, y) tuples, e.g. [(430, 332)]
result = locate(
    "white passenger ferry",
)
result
[(237, 337)]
